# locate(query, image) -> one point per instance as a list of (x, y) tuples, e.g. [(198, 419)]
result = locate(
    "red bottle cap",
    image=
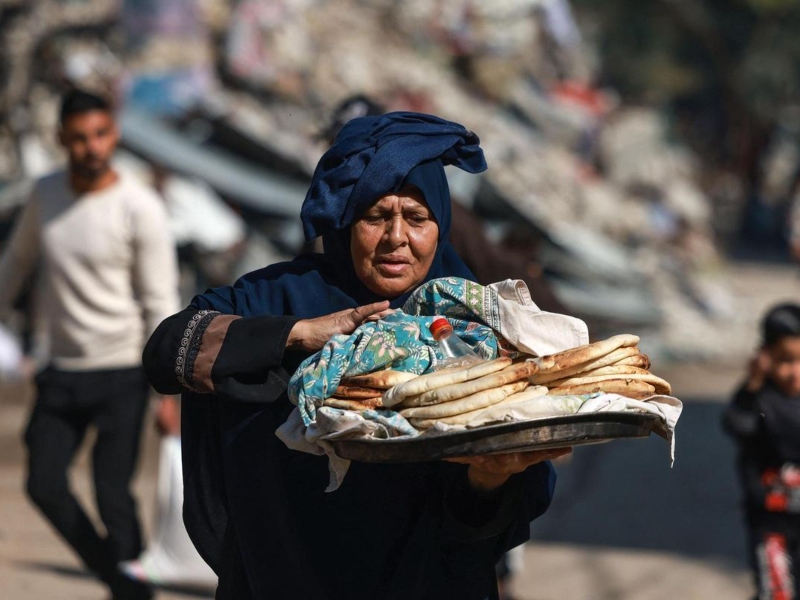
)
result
[(439, 326)]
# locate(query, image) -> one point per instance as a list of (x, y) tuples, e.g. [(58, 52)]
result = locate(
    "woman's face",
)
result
[(393, 243)]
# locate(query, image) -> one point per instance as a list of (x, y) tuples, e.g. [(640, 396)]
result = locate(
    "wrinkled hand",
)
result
[(488, 472), (311, 335)]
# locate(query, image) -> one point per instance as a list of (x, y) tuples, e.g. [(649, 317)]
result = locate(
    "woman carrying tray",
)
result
[(256, 510)]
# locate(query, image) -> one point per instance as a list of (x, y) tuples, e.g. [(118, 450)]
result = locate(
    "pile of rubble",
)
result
[(628, 233)]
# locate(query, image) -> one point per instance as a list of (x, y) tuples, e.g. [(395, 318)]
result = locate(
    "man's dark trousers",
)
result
[(68, 403)]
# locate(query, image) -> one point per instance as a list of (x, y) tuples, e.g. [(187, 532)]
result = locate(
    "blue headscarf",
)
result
[(371, 157)]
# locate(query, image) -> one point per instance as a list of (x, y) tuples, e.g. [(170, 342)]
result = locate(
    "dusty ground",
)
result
[(623, 525)]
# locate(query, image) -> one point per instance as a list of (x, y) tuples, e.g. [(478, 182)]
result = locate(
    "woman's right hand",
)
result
[(311, 335)]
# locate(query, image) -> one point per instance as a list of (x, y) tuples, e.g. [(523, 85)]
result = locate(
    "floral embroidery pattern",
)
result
[(190, 346)]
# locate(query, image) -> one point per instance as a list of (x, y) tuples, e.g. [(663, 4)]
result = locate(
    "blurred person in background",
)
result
[(764, 419), (107, 276)]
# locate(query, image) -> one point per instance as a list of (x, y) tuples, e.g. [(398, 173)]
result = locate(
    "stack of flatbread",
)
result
[(613, 366), (365, 392), (453, 396), (460, 395), (456, 396)]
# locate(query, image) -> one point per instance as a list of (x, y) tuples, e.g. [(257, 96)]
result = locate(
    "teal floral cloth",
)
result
[(401, 341)]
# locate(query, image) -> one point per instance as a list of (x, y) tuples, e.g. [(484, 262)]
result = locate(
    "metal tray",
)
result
[(519, 436)]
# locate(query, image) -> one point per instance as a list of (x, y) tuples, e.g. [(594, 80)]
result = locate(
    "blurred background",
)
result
[(644, 164)]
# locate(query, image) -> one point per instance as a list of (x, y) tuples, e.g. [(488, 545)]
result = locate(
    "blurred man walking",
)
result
[(107, 275)]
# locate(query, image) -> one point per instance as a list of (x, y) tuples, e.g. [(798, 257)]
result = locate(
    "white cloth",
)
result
[(337, 424), (108, 269), (666, 407), (530, 329)]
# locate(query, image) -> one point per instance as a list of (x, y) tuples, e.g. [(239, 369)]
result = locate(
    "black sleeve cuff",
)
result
[(190, 347), (164, 348), (248, 367), (253, 345)]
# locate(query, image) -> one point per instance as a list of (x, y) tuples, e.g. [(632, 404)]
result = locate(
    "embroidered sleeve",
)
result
[(213, 352), (210, 347), (190, 347)]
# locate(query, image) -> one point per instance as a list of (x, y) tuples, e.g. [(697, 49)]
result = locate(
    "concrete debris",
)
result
[(627, 228)]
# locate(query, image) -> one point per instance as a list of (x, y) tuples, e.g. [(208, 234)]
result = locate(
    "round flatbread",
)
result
[(660, 386), (380, 380), (510, 374), (630, 388), (527, 395), (608, 370), (639, 360), (584, 354), (467, 404), (609, 359), (358, 405), (437, 379)]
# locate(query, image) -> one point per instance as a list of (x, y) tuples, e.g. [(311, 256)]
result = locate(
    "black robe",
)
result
[(258, 513)]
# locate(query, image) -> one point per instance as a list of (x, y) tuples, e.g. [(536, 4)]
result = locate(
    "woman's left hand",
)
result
[(489, 471)]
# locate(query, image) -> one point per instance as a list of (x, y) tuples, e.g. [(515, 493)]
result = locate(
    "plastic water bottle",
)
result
[(455, 351)]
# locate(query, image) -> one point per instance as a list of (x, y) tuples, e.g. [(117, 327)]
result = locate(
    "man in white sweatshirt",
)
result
[(106, 277)]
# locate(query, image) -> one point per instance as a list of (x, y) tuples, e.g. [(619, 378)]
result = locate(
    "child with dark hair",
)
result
[(764, 419)]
